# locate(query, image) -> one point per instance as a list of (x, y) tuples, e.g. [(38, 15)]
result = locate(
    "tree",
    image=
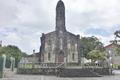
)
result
[(118, 50), (95, 55), (88, 44), (12, 51)]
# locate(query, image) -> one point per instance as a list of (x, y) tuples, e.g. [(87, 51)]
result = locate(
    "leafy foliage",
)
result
[(12, 51), (90, 43), (95, 55), (118, 50)]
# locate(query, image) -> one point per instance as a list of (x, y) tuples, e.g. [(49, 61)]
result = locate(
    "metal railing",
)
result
[(96, 65), (40, 65)]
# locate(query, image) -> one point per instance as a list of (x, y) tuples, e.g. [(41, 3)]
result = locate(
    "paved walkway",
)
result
[(39, 77), (8, 73), (11, 76)]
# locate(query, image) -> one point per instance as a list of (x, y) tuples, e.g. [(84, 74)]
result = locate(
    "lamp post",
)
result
[(110, 59), (34, 59), (110, 62)]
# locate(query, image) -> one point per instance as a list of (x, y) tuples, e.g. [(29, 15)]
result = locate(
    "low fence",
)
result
[(39, 68), (31, 65), (63, 68), (99, 65)]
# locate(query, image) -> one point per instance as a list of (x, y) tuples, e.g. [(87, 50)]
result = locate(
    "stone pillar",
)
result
[(78, 49), (12, 63), (65, 61), (3, 62)]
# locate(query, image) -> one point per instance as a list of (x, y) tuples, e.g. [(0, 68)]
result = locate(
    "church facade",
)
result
[(60, 46)]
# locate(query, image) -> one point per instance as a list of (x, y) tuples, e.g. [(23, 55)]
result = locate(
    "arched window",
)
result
[(73, 56), (49, 56)]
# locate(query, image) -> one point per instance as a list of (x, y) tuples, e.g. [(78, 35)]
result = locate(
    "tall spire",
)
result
[(60, 16), (60, 0)]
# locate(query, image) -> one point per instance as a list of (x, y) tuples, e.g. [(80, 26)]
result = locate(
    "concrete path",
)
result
[(12, 76), (116, 72), (8, 73), (39, 77)]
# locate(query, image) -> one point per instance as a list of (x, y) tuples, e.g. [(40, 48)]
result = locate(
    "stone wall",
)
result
[(65, 72), (60, 41), (40, 71), (86, 72)]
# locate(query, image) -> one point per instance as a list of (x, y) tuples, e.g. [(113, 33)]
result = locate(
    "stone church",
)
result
[(60, 46)]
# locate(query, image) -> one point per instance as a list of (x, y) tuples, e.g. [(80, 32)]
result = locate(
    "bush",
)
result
[(118, 66), (8, 63)]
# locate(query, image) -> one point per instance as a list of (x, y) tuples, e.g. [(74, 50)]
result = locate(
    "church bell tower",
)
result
[(60, 16)]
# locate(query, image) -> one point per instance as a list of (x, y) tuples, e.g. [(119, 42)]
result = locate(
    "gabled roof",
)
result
[(35, 54), (109, 45), (112, 44)]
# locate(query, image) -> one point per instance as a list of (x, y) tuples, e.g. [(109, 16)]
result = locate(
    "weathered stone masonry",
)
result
[(60, 45)]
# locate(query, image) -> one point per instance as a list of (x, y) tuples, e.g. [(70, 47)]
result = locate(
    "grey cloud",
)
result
[(30, 18)]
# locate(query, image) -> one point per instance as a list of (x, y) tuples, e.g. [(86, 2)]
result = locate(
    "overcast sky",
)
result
[(23, 21)]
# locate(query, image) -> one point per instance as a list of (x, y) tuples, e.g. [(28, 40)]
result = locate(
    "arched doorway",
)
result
[(61, 57)]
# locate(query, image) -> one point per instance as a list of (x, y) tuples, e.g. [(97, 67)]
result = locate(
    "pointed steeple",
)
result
[(60, 16)]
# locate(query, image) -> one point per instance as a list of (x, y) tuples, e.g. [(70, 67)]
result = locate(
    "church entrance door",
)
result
[(61, 57)]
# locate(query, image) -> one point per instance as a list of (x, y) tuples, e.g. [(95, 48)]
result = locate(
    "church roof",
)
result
[(50, 33), (71, 34)]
